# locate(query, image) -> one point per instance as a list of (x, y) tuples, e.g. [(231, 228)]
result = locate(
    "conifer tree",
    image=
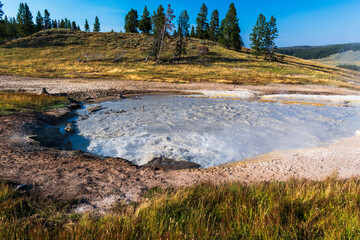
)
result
[(257, 37), (25, 21), (39, 22), (74, 26), (54, 24), (62, 24), (214, 26), (47, 19), (97, 24), (230, 30), (145, 22), (202, 24), (271, 34), (158, 22), (86, 27), (183, 31), (192, 33), (168, 27), (175, 33), (131, 21), (1, 11)]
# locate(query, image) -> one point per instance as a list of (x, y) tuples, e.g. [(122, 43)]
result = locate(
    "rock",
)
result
[(69, 128), (94, 109), (170, 164), (23, 187), (43, 91)]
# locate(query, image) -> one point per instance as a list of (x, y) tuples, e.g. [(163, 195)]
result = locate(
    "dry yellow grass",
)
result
[(69, 54)]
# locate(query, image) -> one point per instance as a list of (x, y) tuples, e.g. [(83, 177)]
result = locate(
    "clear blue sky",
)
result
[(300, 22)]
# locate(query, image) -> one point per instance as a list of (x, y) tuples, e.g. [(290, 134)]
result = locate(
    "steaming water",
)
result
[(208, 131)]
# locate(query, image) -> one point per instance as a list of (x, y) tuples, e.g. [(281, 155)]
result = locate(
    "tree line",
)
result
[(23, 25), (160, 25), (227, 33)]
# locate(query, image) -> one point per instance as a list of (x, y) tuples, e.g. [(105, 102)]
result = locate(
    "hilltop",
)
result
[(72, 54)]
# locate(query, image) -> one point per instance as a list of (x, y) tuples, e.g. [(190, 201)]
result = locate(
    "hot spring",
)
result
[(207, 131)]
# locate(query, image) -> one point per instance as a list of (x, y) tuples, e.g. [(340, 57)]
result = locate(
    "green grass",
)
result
[(27, 102), (71, 54), (278, 210)]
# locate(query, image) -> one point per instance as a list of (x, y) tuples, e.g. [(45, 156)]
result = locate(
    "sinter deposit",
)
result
[(207, 131)]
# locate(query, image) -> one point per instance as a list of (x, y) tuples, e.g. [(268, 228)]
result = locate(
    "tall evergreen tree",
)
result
[(202, 24), (86, 27), (230, 30), (47, 19), (257, 37), (183, 31), (97, 24), (54, 24), (168, 27), (62, 24), (214, 26), (25, 21), (271, 34), (158, 22), (1, 11), (74, 26), (192, 33), (145, 22), (131, 21), (39, 22)]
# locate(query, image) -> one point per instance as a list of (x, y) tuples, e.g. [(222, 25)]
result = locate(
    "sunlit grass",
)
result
[(276, 210), (91, 55), (26, 102)]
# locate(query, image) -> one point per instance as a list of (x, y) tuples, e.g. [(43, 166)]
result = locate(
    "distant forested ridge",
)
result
[(312, 52)]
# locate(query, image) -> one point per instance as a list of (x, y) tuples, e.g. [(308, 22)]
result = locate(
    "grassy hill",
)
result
[(71, 54), (318, 52), (345, 58)]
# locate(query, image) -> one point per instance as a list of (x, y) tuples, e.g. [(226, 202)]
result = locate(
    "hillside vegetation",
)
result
[(73, 54), (317, 52), (276, 210)]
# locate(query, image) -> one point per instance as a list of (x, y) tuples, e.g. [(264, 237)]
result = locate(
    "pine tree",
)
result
[(74, 26), (131, 21), (39, 22), (86, 27), (78, 28), (271, 34), (192, 33), (1, 11), (25, 21), (54, 24), (47, 19), (202, 24), (183, 31), (62, 24), (145, 22), (257, 37), (97, 25), (175, 33), (158, 21), (168, 27), (230, 30), (214, 26)]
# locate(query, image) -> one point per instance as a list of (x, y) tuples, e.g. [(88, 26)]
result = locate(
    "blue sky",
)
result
[(306, 22)]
